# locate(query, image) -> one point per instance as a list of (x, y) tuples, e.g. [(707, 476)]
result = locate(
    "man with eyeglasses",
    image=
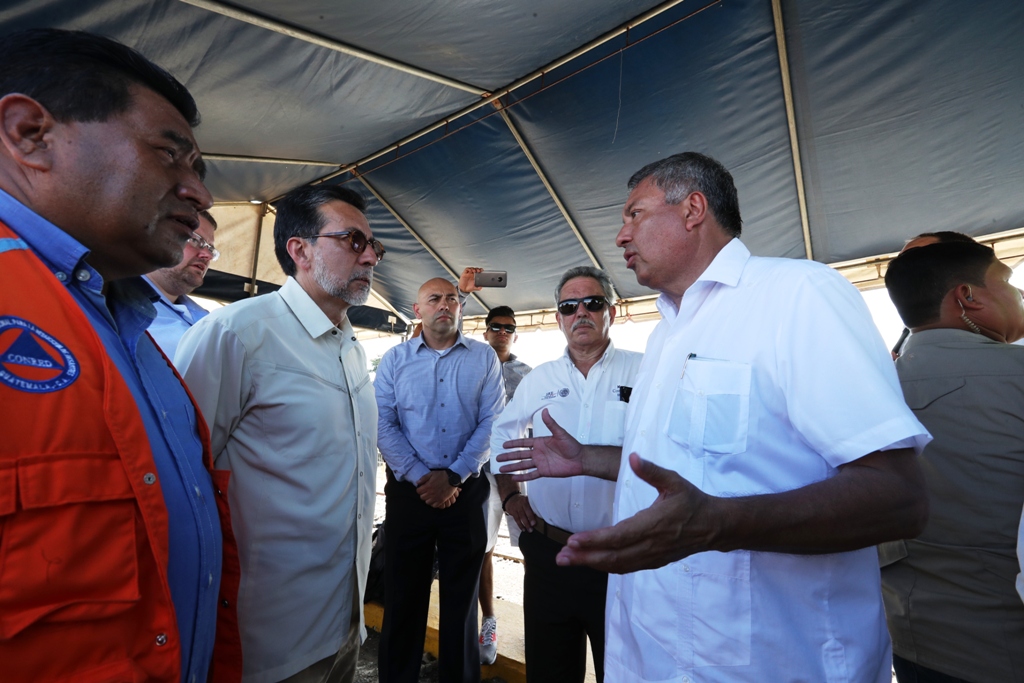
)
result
[(284, 386), (437, 394), (768, 448), (175, 310), (586, 391), (500, 333)]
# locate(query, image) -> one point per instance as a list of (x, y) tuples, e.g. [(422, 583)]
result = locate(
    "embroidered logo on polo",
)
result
[(32, 360), (551, 394)]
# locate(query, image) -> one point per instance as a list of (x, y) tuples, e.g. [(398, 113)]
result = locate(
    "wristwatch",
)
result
[(453, 479)]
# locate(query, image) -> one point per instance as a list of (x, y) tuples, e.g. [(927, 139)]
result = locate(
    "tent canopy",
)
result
[(501, 134)]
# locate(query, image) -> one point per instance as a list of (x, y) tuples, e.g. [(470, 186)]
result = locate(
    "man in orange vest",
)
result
[(110, 514)]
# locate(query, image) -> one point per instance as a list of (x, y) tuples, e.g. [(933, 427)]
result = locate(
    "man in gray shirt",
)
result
[(950, 602)]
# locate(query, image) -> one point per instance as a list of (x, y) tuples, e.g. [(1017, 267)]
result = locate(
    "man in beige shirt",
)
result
[(283, 384)]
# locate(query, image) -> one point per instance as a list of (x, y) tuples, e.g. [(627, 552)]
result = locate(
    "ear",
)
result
[(695, 210), (26, 131), (611, 313), (416, 310), (301, 252), (967, 296)]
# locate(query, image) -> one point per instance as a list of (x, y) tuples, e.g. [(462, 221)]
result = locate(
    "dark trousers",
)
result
[(562, 606), (412, 529), (912, 672)]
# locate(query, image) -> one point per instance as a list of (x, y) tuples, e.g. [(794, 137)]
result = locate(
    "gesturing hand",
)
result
[(558, 455), (676, 525)]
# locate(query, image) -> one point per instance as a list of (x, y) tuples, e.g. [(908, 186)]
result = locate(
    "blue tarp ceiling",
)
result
[(908, 117)]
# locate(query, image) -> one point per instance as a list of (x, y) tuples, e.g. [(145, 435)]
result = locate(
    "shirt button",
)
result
[(440, 380), (686, 679), (209, 579), (334, 332), (443, 429), (161, 639), (192, 679), (686, 568), (225, 603), (359, 516), (149, 478), (446, 457), (199, 494), (442, 405), (360, 474), (576, 505), (618, 595), (61, 276), (82, 275)]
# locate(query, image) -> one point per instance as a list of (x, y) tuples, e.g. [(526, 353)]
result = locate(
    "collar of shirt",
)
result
[(421, 343), (606, 357), (726, 268), (195, 311), (311, 316), (945, 336), (61, 252)]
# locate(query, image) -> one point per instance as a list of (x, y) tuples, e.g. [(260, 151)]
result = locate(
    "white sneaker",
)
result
[(489, 641)]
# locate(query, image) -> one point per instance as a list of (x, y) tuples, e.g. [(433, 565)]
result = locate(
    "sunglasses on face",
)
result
[(498, 327), (593, 304), (358, 240), (199, 243)]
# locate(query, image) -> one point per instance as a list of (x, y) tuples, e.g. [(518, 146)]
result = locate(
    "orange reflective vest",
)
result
[(84, 595)]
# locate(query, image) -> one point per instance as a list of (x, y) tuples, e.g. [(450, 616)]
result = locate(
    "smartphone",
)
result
[(491, 278)]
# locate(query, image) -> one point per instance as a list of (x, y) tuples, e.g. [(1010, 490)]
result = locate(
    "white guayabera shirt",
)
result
[(769, 377)]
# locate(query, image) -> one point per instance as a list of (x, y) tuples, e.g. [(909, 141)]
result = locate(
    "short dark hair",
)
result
[(587, 271), (80, 76), (944, 236), (919, 279), (499, 312), (299, 215), (680, 174), (209, 216)]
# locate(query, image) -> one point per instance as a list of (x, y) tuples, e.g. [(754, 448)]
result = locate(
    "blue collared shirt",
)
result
[(436, 409), (120, 318), (172, 319)]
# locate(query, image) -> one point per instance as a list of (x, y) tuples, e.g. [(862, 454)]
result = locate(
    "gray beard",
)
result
[(349, 291)]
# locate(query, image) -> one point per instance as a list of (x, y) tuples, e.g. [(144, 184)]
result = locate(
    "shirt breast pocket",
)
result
[(710, 410)]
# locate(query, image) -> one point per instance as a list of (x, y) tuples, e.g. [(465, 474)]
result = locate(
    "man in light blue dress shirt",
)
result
[(175, 311), (437, 395)]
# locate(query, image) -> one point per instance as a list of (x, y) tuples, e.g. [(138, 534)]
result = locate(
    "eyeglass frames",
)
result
[(198, 242), (498, 327), (358, 240), (593, 304)]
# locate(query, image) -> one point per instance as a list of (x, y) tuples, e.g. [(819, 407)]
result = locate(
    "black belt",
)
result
[(556, 534)]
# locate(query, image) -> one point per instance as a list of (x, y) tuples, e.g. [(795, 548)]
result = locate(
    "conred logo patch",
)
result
[(32, 360)]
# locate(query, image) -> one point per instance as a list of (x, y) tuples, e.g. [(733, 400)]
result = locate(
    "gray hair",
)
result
[(587, 271), (681, 174)]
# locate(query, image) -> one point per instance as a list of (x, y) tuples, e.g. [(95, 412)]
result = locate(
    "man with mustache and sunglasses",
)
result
[(175, 311), (586, 390), (767, 449), (284, 386), (437, 394)]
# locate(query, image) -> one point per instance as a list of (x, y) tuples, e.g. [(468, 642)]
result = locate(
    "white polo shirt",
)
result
[(769, 377), (591, 409)]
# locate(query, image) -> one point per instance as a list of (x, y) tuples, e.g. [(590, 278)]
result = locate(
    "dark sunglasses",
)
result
[(498, 327), (358, 240), (593, 304)]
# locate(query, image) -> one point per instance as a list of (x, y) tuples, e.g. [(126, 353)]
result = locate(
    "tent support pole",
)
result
[(267, 160), (264, 208), (551, 191), (539, 73), (337, 46), (423, 242), (794, 142)]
